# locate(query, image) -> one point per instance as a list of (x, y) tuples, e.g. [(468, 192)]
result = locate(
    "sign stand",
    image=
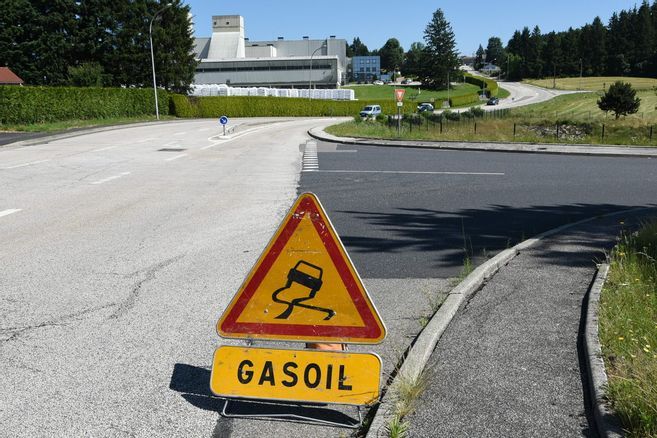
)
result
[(279, 413)]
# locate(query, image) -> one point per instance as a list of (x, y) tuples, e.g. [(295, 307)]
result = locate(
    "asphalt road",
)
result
[(119, 250), (420, 213)]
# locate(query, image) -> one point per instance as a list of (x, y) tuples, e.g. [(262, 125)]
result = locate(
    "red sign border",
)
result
[(307, 204)]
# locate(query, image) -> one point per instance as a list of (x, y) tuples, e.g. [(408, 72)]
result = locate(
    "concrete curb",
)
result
[(419, 354), (534, 148), (607, 423), (83, 131)]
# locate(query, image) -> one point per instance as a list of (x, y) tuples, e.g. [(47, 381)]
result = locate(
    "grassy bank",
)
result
[(593, 83), (72, 124), (573, 118), (628, 331)]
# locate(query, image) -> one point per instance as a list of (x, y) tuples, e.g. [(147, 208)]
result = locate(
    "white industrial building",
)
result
[(227, 57)]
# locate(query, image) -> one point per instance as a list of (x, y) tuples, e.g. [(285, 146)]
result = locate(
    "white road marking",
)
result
[(310, 159), (31, 163), (176, 157), (104, 149), (208, 147), (204, 129), (403, 172), (179, 133), (111, 178), (10, 211)]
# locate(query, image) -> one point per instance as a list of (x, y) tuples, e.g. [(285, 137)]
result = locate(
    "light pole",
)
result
[(310, 75), (150, 37)]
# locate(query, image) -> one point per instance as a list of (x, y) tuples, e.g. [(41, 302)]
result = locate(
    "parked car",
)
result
[(406, 81), (378, 82), (371, 111), (424, 107), (493, 101)]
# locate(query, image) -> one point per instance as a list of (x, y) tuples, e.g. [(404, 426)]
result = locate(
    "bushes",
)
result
[(26, 105), (256, 106), (463, 100), (491, 87)]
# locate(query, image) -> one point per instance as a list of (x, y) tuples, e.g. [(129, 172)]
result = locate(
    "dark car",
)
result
[(493, 101), (424, 107)]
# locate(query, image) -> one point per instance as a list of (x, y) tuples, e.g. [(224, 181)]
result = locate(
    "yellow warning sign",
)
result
[(303, 287), (296, 375)]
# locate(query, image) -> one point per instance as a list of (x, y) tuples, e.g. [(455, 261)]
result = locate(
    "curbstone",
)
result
[(533, 148), (607, 423)]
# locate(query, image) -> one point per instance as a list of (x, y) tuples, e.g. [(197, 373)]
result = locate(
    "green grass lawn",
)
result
[(583, 106), (71, 124), (593, 83), (628, 331), (417, 94)]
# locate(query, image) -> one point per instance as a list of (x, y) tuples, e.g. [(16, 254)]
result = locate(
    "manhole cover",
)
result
[(171, 150)]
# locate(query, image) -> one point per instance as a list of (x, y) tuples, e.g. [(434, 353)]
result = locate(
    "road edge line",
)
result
[(418, 356), (607, 423)]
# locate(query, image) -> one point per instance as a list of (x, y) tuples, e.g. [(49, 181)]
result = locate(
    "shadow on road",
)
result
[(193, 383), (471, 233)]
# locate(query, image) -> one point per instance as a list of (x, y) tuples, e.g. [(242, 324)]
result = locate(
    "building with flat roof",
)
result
[(227, 57), (366, 68)]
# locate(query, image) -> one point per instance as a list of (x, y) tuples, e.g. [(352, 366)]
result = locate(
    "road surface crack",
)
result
[(150, 274), (13, 333)]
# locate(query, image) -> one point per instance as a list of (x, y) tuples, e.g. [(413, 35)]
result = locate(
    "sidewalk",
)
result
[(510, 363)]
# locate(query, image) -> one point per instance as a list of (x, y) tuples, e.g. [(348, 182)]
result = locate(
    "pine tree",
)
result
[(621, 99), (479, 58), (441, 57), (357, 48)]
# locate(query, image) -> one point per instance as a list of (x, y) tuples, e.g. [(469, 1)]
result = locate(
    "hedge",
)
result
[(259, 106), (25, 105), (463, 100), (492, 89)]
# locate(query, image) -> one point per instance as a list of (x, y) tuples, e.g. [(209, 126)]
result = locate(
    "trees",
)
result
[(392, 55), (414, 60), (441, 57), (357, 48), (479, 58), (58, 42), (495, 51), (621, 99)]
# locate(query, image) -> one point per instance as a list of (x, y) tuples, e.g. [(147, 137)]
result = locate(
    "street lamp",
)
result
[(310, 75), (150, 36)]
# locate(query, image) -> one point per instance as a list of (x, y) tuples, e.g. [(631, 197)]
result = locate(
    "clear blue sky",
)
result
[(375, 21)]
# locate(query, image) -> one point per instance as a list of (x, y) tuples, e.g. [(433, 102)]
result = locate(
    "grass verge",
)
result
[(577, 117), (592, 83), (628, 330), (408, 395), (71, 124)]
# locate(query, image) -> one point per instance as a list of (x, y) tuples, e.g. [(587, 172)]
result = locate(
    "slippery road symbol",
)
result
[(312, 285)]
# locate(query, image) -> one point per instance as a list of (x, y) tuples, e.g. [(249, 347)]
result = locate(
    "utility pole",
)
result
[(150, 37), (580, 73)]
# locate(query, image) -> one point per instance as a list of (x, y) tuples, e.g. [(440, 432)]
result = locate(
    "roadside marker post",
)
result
[(303, 288), (224, 121)]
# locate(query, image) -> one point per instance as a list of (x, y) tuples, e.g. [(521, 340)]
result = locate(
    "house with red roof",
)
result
[(8, 77)]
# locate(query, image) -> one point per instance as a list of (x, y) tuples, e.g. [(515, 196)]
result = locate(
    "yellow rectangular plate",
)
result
[(296, 375)]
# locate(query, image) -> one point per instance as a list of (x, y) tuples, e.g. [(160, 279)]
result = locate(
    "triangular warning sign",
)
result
[(303, 287)]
